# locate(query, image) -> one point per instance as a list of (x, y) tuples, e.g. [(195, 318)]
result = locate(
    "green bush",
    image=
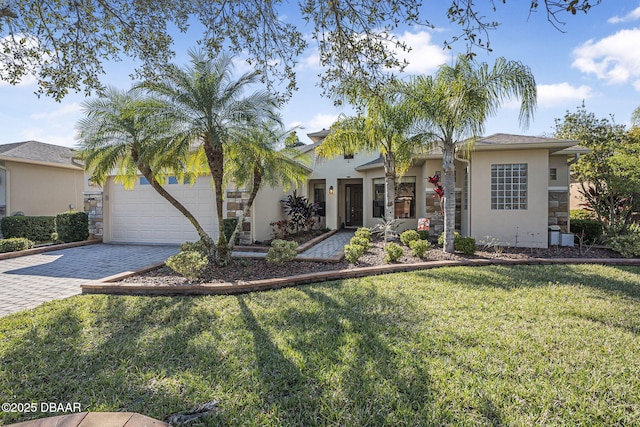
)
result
[(35, 228), (194, 247), (281, 251), (627, 245), (72, 226), (364, 233), (361, 241), (393, 252), (15, 244), (353, 252), (409, 236), (419, 247), (189, 264), (466, 245), (591, 228), (424, 234), (580, 214), (230, 225)]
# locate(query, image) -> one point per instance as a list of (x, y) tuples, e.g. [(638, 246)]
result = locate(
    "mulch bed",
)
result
[(240, 271)]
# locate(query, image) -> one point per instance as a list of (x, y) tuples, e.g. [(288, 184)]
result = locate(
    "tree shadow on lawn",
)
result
[(127, 357)]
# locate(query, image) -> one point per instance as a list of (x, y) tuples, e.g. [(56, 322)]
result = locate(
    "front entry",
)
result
[(353, 205)]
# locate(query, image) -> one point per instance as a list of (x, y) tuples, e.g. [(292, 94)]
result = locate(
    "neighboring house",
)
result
[(39, 179), (511, 189)]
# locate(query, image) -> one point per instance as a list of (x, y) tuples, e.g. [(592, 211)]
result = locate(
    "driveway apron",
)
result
[(29, 281)]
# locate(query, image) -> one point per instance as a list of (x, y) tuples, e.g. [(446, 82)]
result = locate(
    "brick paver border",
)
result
[(109, 287), (48, 248)]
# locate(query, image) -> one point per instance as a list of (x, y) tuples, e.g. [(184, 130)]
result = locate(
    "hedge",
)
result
[(72, 226), (590, 227), (34, 228)]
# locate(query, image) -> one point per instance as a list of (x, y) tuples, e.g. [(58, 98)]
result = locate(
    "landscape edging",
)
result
[(49, 248), (108, 287)]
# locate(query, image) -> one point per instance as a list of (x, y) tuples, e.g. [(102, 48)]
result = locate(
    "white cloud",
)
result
[(562, 93), (310, 62), (425, 56), (321, 121), (634, 15), (67, 110), (615, 59)]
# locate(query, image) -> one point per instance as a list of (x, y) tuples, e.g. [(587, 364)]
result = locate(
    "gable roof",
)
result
[(39, 153)]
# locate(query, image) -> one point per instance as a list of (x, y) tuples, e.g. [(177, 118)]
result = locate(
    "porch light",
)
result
[(331, 190)]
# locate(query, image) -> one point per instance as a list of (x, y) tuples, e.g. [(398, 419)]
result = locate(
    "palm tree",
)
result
[(635, 117), (119, 131), (208, 107), (455, 104), (385, 128), (254, 161)]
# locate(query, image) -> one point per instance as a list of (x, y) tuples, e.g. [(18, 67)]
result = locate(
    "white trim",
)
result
[(560, 188)]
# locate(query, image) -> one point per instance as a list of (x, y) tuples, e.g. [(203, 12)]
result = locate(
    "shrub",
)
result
[(15, 244), (364, 232), (72, 226), (628, 245), (466, 245), (300, 211), (393, 252), (279, 229), (409, 236), (424, 234), (189, 264), (35, 228), (360, 241), (281, 251), (581, 214), (353, 252), (591, 228), (419, 247), (194, 247)]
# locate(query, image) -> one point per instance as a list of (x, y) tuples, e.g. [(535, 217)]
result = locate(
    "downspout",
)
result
[(576, 157), (468, 171)]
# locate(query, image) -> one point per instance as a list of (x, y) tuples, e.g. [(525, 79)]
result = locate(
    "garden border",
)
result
[(107, 286)]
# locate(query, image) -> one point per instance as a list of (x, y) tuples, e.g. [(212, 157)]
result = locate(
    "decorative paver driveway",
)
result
[(28, 281)]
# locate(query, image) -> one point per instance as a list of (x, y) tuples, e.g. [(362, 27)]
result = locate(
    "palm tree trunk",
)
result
[(215, 158), (257, 182), (148, 174), (389, 193), (449, 185)]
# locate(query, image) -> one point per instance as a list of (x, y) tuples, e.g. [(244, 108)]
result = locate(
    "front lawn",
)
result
[(463, 346)]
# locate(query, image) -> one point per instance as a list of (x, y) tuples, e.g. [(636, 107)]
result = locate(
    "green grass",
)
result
[(517, 346)]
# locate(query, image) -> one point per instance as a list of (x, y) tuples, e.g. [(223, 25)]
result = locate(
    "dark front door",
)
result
[(353, 204)]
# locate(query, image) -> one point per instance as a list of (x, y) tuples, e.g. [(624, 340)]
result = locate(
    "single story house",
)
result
[(39, 179), (510, 188)]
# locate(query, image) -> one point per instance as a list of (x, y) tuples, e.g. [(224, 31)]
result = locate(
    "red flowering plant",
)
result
[(435, 180)]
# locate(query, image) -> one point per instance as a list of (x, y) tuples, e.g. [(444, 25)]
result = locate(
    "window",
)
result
[(319, 191), (348, 156), (509, 186), (553, 174), (144, 181), (405, 202)]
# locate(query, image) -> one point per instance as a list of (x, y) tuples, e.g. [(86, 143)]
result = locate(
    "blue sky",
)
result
[(596, 59)]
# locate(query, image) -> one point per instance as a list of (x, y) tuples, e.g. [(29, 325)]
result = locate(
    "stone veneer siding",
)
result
[(436, 219), (236, 201), (559, 209), (93, 207)]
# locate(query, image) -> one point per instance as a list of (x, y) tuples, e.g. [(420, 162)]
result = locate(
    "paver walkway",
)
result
[(329, 247), (28, 281)]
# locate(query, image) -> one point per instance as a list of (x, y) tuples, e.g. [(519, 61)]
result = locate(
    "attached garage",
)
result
[(143, 216)]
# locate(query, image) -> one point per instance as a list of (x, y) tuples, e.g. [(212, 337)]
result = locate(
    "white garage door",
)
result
[(141, 215)]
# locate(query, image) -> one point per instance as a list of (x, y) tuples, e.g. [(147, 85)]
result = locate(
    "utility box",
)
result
[(554, 235), (566, 239)]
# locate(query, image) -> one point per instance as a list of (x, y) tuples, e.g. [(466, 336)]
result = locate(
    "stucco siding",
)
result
[(43, 190), (525, 228), (267, 209)]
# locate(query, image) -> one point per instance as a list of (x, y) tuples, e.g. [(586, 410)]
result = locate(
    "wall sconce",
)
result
[(331, 190)]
